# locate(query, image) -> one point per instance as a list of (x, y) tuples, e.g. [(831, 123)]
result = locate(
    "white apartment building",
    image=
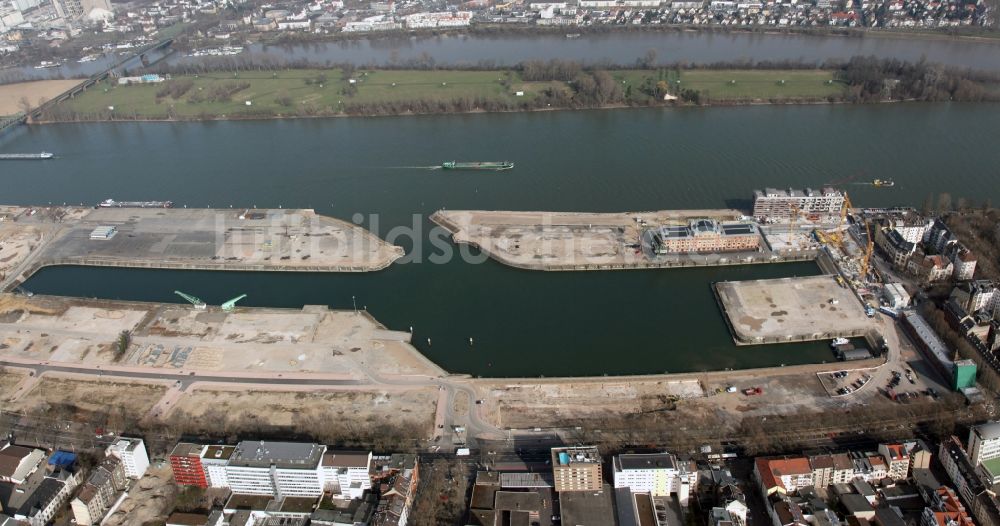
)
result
[(132, 451), (898, 460), (659, 474), (346, 473), (281, 469), (984, 443)]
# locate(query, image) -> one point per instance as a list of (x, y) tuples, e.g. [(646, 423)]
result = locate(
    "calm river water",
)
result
[(524, 323)]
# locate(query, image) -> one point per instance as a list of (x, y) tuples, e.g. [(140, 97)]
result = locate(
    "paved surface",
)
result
[(580, 241), (212, 239), (791, 309)]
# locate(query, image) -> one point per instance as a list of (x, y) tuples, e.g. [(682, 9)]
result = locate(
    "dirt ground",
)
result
[(147, 500), (8, 379), (134, 399), (41, 90), (238, 410)]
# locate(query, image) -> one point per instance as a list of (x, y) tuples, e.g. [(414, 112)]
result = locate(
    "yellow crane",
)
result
[(869, 248)]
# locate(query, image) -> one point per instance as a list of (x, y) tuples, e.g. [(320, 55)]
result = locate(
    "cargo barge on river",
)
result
[(495, 166), (25, 156)]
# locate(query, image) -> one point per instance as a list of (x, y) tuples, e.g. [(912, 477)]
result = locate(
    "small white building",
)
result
[(346, 473), (103, 232), (895, 295), (132, 452)]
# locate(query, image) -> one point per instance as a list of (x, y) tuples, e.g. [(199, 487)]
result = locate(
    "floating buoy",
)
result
[(428, 341), (470, 341)]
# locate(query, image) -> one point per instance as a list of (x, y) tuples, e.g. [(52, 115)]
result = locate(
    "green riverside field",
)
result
[(329, 91)]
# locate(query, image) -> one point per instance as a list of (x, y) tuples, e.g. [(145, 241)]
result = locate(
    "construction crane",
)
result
[(230, 305), (792, 222), (866, 260), (198, 304)]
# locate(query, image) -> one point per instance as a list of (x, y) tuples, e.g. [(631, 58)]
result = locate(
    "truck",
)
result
[(462, 452)]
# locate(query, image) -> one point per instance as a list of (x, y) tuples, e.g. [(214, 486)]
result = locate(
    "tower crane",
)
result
[(866, 260), (198, 304)]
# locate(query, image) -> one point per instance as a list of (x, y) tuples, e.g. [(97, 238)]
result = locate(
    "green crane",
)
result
[(230, 305), (198, 304)]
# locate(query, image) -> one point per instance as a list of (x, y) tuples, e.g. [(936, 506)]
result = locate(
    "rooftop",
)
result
[(187, 449), (219, 452), (587, 508), (286, 455), (987, 431), (645, 461), (187, 519), (566, 456), (347, 459)]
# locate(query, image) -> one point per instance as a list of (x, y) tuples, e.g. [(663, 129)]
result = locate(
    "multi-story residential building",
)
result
[(920, 454), (945, 510), (577, 469), (898, 460), (831, 469), (976, 295), (17, 463), (659, 474), (894, 246), (398, 487), (964, 262), (773, 204), (281, 469), (132, 452), (705, 235), (869, 468), (782, 475), (346, 473), (185, 462), (39, 508), (213, 461), (99, 492)]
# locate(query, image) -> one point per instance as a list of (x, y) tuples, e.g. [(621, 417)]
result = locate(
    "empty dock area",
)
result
[(791, 309), (206, 239), (609, 241), (177, 338)]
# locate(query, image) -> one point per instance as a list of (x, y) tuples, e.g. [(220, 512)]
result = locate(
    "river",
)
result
[(523, 323)]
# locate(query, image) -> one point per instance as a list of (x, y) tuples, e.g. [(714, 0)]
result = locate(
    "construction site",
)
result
[(572, 241), (210, 239)]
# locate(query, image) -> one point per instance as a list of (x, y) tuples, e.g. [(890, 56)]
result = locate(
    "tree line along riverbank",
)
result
[(270, 91)]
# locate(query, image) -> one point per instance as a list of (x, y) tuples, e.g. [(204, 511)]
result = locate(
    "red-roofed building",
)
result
[(946, 510), (897, 459), (782, 475)]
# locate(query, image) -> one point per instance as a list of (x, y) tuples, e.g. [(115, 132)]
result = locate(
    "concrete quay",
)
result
[(567, 241), (182, 238), (791, 309)]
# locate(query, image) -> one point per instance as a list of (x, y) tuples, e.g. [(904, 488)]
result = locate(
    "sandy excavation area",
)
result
[(332, 412), (80, 397), (36, 92)]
